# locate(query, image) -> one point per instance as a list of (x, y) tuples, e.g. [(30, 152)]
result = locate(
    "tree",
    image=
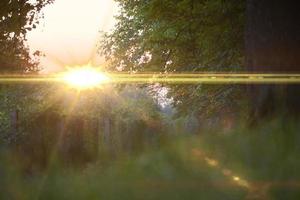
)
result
[(273, 46), (170, 36), (17, 17)]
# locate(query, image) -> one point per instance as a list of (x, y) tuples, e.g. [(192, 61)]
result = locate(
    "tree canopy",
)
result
[(170, 36), (17, 17)]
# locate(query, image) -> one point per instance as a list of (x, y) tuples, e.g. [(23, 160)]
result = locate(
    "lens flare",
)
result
[(85, 77)]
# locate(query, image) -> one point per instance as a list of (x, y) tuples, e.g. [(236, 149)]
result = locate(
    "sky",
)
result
[(69, 32)]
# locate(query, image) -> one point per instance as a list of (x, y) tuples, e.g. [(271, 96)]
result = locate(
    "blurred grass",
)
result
[(185, 167)]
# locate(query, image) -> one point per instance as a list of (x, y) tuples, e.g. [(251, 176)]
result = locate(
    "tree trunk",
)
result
[(107, 131), (14, 121), (273, 46)]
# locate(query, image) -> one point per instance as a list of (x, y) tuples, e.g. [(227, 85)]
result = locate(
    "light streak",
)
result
[(178, 78)]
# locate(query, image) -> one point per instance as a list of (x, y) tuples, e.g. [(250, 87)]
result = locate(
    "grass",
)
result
[(262, 163)]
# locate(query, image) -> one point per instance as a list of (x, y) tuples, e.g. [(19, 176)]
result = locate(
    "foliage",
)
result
[(74, 122), (17, 17), (186, 167), (181, 36)]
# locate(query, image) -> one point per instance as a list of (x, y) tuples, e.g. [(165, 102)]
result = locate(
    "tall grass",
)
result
[(261, 163)]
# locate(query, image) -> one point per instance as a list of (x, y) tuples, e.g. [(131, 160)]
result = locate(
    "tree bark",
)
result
[(273, 46)]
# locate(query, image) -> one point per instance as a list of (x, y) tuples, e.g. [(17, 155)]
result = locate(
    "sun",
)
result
[(85, 77)]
